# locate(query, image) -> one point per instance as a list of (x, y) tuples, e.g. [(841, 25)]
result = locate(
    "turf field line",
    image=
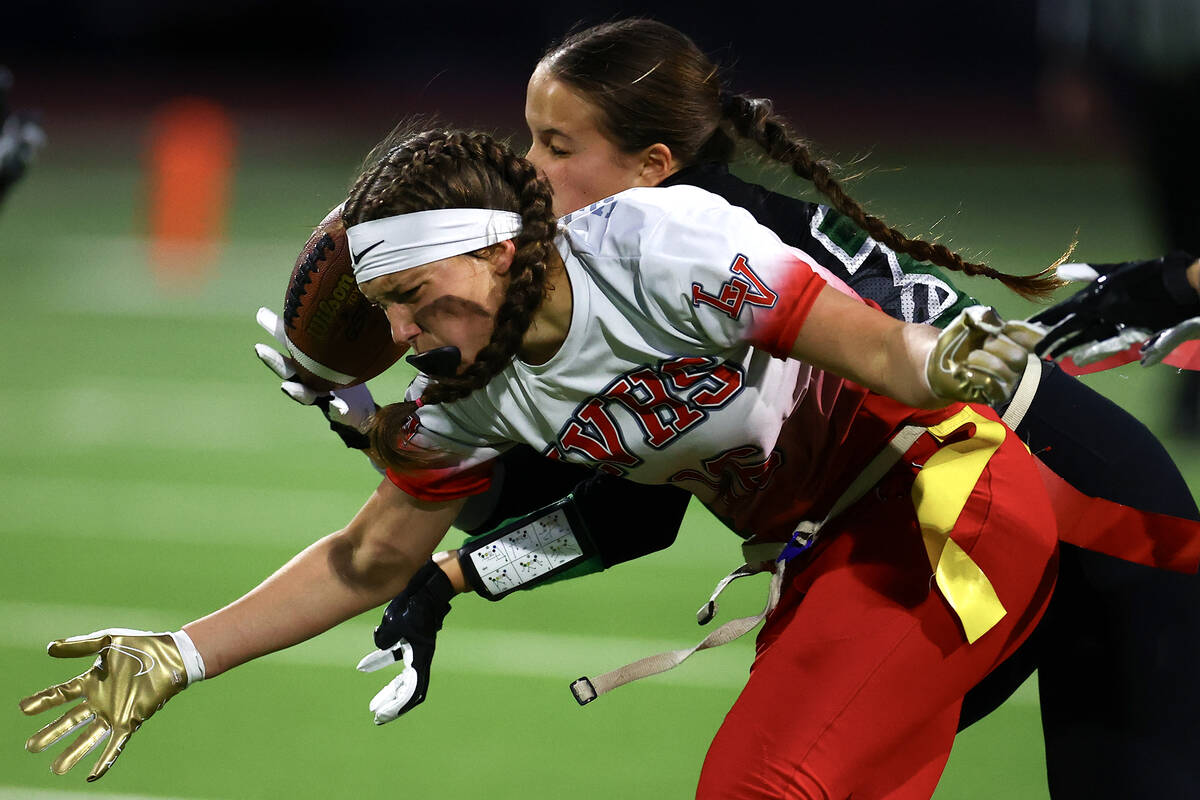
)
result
[(204, 415), (109, 275), (461, 650), (163, 511), (27, 793)]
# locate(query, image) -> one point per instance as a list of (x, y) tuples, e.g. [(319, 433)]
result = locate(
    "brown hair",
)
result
[(651, 84), (456, 169)]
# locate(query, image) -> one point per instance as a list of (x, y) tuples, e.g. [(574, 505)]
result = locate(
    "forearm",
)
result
[(338, 577), (847, 338), (325, 584)]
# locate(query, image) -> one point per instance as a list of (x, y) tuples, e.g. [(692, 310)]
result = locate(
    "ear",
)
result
[(499, 256), (658, 162)]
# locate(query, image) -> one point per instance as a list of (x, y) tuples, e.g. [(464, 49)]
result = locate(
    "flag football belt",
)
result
[(527, 551), (761, 556)]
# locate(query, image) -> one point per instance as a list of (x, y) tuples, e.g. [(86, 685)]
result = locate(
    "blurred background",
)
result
[(151, 471)]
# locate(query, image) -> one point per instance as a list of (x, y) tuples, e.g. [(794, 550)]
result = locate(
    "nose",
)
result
[(404, 328)]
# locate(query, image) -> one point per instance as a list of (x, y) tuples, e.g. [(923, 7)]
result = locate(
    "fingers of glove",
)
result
[(270, 322), (1069, 326), (1093, 333), (394, 699), (980, 387), (278, 363), (68, 722), (304, 395), (1058, 314), (352, 406), (53, 696), (983, 318), (1010, 354), (1025, 334), (989, 377), (85, 645), (91, 738), (1163, 342), (377, 660), (1091, 352), (109, 755)]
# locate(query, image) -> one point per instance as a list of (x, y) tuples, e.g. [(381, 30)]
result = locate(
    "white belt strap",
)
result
[(1023, 397), (756, 554)]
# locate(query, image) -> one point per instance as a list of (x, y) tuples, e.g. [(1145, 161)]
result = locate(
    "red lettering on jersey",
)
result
[(734, 474), (718, 383), (592, 432), (744, 288), (661, 416)]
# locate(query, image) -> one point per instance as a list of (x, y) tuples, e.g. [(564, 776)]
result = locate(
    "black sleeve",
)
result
[(626, 519), (903, 287)]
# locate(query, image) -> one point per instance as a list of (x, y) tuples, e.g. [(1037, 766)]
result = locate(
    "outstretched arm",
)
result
[(338, 577), (977, 358), (136, 672)]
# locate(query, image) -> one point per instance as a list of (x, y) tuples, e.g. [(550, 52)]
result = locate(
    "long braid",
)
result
[(449, 170), (754, 119), (527, 275)]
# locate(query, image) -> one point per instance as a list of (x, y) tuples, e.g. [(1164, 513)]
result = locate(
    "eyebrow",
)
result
[(396, 292), (553, 132)]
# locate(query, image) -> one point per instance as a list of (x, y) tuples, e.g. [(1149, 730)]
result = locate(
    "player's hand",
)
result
[(134, 674), (408, 634), (1122, 305), (979, 358), (347, 410)]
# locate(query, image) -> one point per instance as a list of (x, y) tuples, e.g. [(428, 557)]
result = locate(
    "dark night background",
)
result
[(863, 71)]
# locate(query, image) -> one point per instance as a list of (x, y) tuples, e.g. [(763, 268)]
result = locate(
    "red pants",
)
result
[(860, 670)]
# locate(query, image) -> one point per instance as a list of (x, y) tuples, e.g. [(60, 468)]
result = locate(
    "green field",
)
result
[(151, 471)]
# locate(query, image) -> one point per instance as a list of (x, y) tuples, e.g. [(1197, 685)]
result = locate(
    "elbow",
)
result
[(368, 564)]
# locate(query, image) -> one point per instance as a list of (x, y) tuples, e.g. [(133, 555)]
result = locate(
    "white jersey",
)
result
[(674, 370)]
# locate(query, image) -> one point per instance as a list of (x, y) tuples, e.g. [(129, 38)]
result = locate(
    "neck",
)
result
[(552, 320)]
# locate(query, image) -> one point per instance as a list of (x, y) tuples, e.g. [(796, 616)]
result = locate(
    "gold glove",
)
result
[(979, 358), (135, 674)]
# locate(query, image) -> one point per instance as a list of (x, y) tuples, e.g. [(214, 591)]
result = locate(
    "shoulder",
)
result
[(647, 224)]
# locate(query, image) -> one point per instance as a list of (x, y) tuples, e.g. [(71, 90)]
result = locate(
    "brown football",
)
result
[(336, 337)]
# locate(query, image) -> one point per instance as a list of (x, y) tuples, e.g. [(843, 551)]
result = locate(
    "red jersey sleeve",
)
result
[(442, 485)]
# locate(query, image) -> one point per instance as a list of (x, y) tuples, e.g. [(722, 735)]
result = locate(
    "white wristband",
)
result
[(192, 660)]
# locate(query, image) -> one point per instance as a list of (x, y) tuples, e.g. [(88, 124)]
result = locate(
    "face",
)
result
[(448, 302), (568, 147)]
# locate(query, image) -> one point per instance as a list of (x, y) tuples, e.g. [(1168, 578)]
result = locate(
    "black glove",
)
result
[(1124, 305), (408, 633)]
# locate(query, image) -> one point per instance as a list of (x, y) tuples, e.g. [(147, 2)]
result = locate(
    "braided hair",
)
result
[(458, 169), (650, 83)]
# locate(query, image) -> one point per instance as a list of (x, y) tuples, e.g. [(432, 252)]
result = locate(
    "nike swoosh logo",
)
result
[(358, 256), (133, 652)]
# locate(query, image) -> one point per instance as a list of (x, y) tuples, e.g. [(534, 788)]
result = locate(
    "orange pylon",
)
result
[(190, 164)]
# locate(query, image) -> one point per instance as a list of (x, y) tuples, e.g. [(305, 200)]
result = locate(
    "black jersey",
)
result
[(904, 288)]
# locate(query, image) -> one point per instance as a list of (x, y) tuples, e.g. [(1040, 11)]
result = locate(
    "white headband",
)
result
[(394, 244)]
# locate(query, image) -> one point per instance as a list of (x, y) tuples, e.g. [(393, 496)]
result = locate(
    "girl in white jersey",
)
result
[(636, 103), (664, 336), (678, 343)]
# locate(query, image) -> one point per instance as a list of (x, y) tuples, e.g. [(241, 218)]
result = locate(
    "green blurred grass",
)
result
[(151, 472)]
